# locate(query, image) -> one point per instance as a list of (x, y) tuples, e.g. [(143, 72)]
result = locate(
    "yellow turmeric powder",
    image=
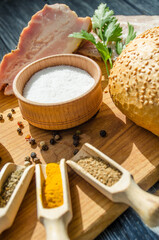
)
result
[(52, 189)]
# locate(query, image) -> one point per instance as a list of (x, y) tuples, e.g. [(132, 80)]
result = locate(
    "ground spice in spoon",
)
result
[(52, 188), (101, 170), (9, 186)]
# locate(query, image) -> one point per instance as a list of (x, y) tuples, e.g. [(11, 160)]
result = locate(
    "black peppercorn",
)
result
[(33, 155), (45, 147), (32, 141), (13, 110), (1, 117), (75, 151), (103, 133), (19, 130), (57, 137), (76, 137), (52, 141), (75, 142), (9, 115), (0, 159)]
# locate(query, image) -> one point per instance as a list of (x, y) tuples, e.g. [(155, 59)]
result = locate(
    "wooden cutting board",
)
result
[(132, 146)]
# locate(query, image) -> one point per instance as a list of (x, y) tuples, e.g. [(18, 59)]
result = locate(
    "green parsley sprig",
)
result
[(131, 35), (106, 26)]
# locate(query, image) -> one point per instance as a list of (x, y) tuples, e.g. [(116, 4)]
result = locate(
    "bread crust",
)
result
[(134, 80)]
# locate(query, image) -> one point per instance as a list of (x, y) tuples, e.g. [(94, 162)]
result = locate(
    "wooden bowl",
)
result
[(58, 116)]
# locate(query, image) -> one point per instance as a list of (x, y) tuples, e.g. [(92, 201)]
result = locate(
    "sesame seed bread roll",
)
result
[(134, 80)]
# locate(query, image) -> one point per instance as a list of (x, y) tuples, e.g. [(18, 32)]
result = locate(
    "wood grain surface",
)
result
[(132, 146)]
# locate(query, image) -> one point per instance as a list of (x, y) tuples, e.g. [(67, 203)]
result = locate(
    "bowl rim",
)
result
[(23, 99)]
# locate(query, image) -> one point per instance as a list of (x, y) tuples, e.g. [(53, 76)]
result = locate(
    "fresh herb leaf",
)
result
[(105, 54), (101, 17), (102, 49), (112, 31), (106, 26), (110, 51), (84, 35), (119, 47), (131, 34)]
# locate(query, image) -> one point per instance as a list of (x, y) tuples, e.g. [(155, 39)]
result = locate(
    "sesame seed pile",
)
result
[(101, 170)]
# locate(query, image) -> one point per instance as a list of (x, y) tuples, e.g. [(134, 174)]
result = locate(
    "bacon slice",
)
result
[(46, 34)]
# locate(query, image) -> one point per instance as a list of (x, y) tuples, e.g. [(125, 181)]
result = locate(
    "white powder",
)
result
[(57, 84)]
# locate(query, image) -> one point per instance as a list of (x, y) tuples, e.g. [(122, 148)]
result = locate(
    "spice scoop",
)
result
[(9, 211), (125, 190), (55, 220)]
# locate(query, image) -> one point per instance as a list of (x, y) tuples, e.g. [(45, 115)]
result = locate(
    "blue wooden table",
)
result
[(14, 16)]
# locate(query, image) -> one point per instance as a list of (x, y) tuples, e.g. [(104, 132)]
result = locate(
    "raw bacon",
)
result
[(46, 34)]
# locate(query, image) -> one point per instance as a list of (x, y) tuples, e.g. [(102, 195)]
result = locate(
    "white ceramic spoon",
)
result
[(55, 220), (125, 190), (8, 213)]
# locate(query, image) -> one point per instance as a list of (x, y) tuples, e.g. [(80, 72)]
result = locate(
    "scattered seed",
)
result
[(0, 159), (33, 155), (27, 158), (20, 124), (57, 137), (9, 115), (75, 142), (36, 160), (76, 137), (19, 130), (103, 133), (45, 147), (78, 132), (13, 110), (75, 151), (42, 143), (1, 117), (52, 141), (27, 137), (32, 141)]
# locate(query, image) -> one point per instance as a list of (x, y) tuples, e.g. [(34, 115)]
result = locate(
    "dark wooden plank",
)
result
[(145, 6), (128, 227), (83, 8), (3, 47), (14, 16)]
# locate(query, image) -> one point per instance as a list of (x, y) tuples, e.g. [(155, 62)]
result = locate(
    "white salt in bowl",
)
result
[(65, 114)]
